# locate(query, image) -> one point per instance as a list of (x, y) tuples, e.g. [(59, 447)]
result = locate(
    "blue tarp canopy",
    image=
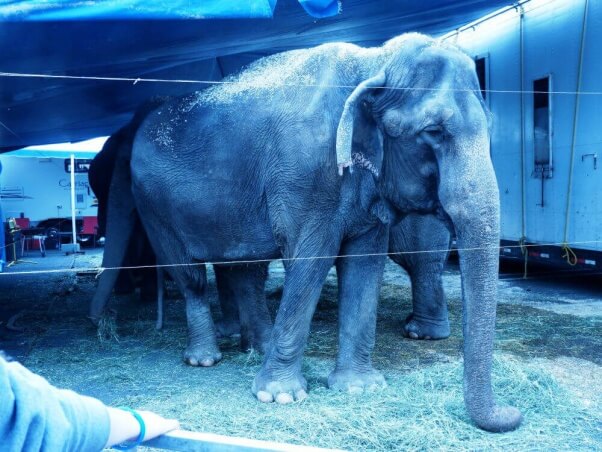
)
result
[(152, 9), (169, 40)]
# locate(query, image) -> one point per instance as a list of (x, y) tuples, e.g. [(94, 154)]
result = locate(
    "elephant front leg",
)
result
[(359, 277), (425, 240), (280, 378)]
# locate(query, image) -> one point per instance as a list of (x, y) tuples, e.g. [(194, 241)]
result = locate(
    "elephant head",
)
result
[(426, 101)]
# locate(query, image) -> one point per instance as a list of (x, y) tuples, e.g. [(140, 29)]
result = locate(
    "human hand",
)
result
[(125, 427)]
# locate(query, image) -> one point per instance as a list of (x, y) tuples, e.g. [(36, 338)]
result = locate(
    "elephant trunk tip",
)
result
[(499, 420)]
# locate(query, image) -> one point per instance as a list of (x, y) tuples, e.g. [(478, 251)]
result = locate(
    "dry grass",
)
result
[(546, 364)]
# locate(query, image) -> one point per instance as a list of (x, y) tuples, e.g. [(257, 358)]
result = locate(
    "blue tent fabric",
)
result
[(322, 8), (137, 9), (36, 108), (155, 9)]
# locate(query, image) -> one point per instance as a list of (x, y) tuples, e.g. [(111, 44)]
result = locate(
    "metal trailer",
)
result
[(540, 67), (39, 186)]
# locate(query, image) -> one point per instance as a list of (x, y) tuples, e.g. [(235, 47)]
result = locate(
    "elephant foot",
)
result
[(415, 327), (501, 419), (203, 356), (269, 389), (227, 328), (355, 382)]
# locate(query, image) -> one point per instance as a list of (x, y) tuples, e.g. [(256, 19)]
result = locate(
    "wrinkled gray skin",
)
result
[(408, 239), (128, 245), (244, 172)]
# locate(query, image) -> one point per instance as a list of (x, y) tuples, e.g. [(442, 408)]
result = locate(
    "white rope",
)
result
[(259, 85), (288, 259)]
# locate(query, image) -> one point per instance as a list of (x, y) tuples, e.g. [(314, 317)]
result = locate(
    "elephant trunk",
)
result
[(469, 194)]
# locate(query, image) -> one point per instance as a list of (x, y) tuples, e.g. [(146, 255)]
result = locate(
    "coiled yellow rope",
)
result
[(569, 254)]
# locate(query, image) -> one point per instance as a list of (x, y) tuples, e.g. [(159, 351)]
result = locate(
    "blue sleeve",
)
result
[(34, 415)]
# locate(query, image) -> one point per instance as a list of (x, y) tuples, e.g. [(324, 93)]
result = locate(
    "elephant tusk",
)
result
[(344, 165)]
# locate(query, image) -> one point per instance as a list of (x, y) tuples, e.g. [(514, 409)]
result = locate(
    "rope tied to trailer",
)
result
[(569, 254), (523, 249)]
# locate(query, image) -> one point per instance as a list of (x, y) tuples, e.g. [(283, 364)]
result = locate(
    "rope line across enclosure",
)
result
[(135, 80), (99, 270)]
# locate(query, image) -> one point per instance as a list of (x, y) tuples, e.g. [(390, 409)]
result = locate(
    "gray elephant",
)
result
[(128, 245), (253, 169)]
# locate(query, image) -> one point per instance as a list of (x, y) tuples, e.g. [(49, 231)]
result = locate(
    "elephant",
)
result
[(255, 169), (139, 251), (130, 246)]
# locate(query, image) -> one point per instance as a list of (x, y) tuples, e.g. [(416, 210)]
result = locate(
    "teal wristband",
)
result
[(131, 445)]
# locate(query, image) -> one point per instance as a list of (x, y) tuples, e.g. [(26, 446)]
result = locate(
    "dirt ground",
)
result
[(548, 362)]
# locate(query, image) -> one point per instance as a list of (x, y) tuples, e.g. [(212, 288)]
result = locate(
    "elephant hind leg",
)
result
[(202, 349), (229, 324), (242, 298), (427, 238)]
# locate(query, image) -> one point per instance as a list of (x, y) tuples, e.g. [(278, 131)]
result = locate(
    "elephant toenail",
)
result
[(300, 395), (284, 398), (207, 362), (265, 397), (413, 335)]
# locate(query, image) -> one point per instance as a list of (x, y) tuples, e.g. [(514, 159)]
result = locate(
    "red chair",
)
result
[(23, 223), (89, 229), (31, 239)]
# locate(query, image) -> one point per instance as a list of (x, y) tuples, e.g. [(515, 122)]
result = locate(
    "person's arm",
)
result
[(35, 415)]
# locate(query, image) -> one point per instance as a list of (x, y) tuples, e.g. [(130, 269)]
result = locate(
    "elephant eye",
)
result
[(433, 129), (432, 135)]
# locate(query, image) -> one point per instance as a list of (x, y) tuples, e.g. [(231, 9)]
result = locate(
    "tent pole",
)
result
[(73, 201)]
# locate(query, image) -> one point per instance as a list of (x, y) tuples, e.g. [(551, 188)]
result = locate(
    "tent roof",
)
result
[(40, 110), (86, 149)]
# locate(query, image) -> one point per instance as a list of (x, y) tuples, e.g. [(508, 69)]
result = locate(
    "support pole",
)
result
[(74, 240), (523, 159)]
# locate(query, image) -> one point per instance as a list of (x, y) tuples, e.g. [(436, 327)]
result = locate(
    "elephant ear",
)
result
[(345, 128)]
